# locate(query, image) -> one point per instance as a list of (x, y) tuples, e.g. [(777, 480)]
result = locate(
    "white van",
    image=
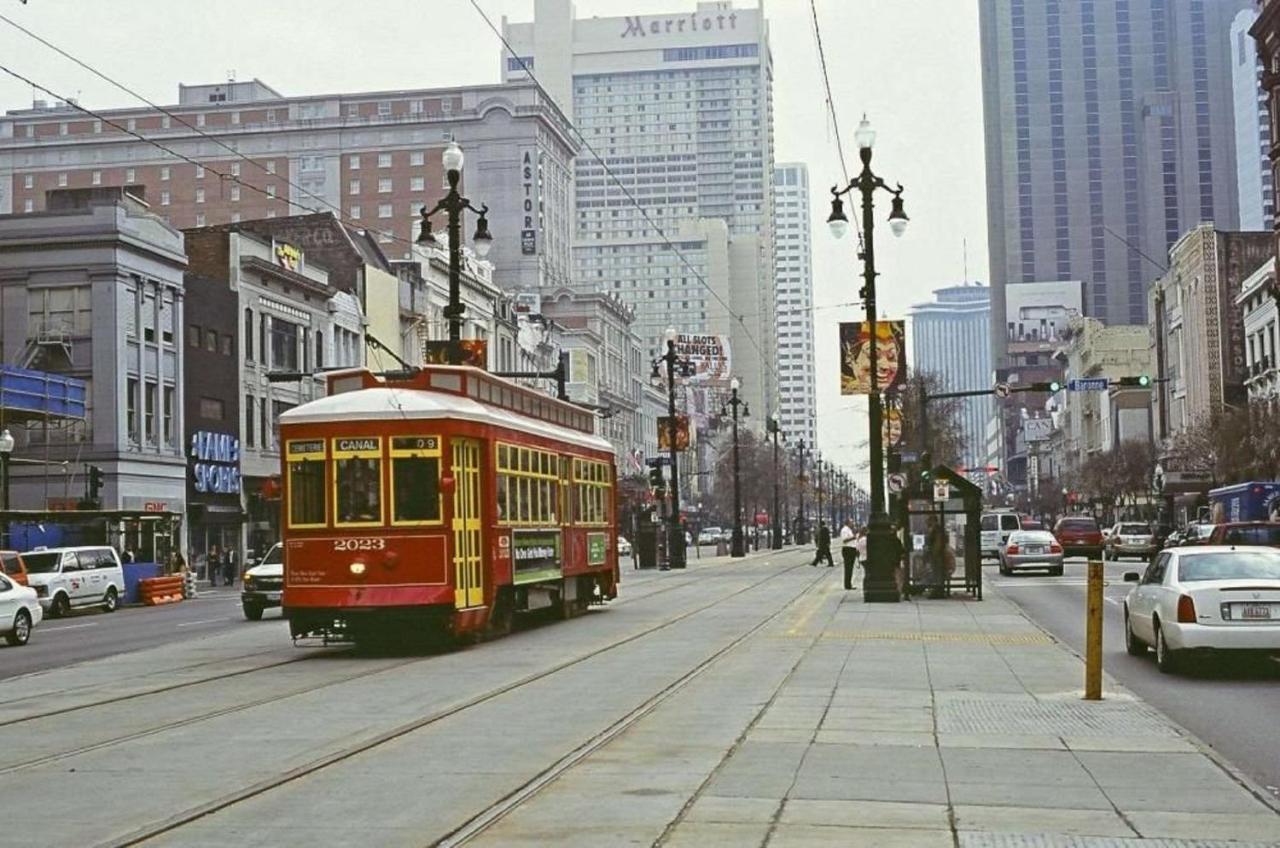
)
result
[(70, 578), (996, 527)]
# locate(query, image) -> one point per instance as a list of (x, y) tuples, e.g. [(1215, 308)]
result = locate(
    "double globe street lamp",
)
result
[(453, 205), (775, 428), (883, 549), (676, 553)]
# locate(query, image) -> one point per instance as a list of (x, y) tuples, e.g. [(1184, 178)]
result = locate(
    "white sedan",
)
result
[(19, 611), (1201, 599)]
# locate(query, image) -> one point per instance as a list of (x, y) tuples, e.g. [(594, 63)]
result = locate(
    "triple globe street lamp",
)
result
[(453, 205), (676, 553), (883, 549), (737, 546), (775, 428)]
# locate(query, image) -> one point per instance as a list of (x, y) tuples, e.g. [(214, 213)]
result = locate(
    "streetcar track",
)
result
[(262, 787), (495, 812), (187, 721), (220, 677)]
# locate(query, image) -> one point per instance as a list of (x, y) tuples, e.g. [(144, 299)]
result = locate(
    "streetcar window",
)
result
[(415, 489), (306, 482), (357, 480), (415, 479)]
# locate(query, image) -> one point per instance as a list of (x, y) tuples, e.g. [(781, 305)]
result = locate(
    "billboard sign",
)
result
[(855, 356), (709, 355)]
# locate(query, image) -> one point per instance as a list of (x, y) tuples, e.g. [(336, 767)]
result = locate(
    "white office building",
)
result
[(678, 108), (949, 339), (794, 302), (1252, 127)]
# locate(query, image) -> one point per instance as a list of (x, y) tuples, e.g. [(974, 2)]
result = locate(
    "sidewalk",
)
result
[(960, 723), (929, 723)]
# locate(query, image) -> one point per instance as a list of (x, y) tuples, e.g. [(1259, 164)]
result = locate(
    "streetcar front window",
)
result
[(305, 482), (357, 480), (415, 489)]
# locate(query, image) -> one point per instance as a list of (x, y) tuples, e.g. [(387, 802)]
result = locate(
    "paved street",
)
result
[(91, 634), (748, 702), (1231, 706)]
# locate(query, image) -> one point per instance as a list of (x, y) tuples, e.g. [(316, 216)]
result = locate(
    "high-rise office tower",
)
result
[(1109, 133), (949, 340), (678, 110), (796, 381), (1252, 126)]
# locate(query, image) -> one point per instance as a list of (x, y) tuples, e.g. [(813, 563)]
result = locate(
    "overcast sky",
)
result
[(912, 66)]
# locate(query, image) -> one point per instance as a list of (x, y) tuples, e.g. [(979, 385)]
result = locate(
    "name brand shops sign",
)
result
[(216, 465), (635, 26), (529, 231)]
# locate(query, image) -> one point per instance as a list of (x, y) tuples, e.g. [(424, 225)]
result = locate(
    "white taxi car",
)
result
[(20, 611), (1203, 599)]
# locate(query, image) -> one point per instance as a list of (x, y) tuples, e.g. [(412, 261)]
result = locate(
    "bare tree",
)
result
[(946, 443)]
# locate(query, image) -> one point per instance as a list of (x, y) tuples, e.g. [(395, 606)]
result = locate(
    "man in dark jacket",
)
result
[(824, 546)]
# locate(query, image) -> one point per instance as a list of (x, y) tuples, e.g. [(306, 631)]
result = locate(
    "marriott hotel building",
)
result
[(680, 108)]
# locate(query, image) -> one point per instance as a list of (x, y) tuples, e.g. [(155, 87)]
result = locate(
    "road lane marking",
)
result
[(205, 621), (67, 627)]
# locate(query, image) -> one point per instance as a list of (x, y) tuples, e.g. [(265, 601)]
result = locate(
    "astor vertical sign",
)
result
[(528, 177)]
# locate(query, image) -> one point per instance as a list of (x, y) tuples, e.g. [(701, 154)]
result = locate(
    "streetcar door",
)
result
[(467, 571)]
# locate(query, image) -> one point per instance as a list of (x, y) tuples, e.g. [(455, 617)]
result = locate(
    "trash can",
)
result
[(722, 548), (646, 545)]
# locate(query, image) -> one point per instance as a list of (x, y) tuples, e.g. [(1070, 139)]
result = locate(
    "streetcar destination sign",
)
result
[(1088, 384)]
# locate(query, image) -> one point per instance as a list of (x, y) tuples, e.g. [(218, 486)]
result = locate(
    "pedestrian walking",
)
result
[(824, 546), (229, 566), (213, 564), (848, 551)]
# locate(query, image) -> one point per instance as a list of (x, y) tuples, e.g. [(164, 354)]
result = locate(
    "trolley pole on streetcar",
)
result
[(675, 528), (453, 205), (884, 551), (775, 427), (737, 545)]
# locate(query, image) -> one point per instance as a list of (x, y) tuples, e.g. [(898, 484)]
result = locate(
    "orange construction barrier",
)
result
[(160, 590)]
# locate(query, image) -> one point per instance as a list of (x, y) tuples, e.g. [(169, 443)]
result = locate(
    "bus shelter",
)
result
[(957, 504)]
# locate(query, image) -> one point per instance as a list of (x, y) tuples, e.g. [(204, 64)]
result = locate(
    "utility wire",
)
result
[(1163, 268), (627, 192), (831, 111)]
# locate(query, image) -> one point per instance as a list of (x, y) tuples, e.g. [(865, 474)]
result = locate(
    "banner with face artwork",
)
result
[(855, 356)]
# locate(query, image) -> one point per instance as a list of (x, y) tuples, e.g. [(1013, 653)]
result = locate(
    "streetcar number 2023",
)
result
[(359, 544)]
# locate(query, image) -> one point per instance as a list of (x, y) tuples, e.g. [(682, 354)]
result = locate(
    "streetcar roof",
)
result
[(388, 403)]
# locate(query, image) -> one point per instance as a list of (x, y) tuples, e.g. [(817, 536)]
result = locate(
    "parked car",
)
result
[(709, 535), (69, 578), (995, 529), (1129, 539), (20, 611), (1031, 549), (1079, 535), (1195, 534), (624, 547), (12, 566), (260, 586), (1202, 599), (1249, 533)]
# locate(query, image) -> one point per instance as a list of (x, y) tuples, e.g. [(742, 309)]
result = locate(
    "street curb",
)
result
[(1249, 784)]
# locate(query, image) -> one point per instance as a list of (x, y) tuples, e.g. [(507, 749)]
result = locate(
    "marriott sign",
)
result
[(638, 27)]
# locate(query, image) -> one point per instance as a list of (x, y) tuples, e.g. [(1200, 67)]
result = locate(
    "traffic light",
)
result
[(926, 468), (1141, 382), (655, 478), (96, 479), (1052, 387)]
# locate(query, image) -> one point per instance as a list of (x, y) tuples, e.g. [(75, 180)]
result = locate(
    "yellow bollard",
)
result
[(1093, 634)]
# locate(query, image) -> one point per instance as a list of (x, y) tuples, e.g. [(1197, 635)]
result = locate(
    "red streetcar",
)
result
[(444, 501)]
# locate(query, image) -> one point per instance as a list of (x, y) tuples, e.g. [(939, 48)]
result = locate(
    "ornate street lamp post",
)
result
[(775, 427), (675, 530), (801, 536), (453, 205), (737, 546), (883, 550)]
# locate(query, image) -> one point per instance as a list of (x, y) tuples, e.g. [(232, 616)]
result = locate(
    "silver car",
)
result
[(1027, 549), (1129, 539)]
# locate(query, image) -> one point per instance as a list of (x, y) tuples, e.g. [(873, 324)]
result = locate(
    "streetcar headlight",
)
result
[(357, 568)]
